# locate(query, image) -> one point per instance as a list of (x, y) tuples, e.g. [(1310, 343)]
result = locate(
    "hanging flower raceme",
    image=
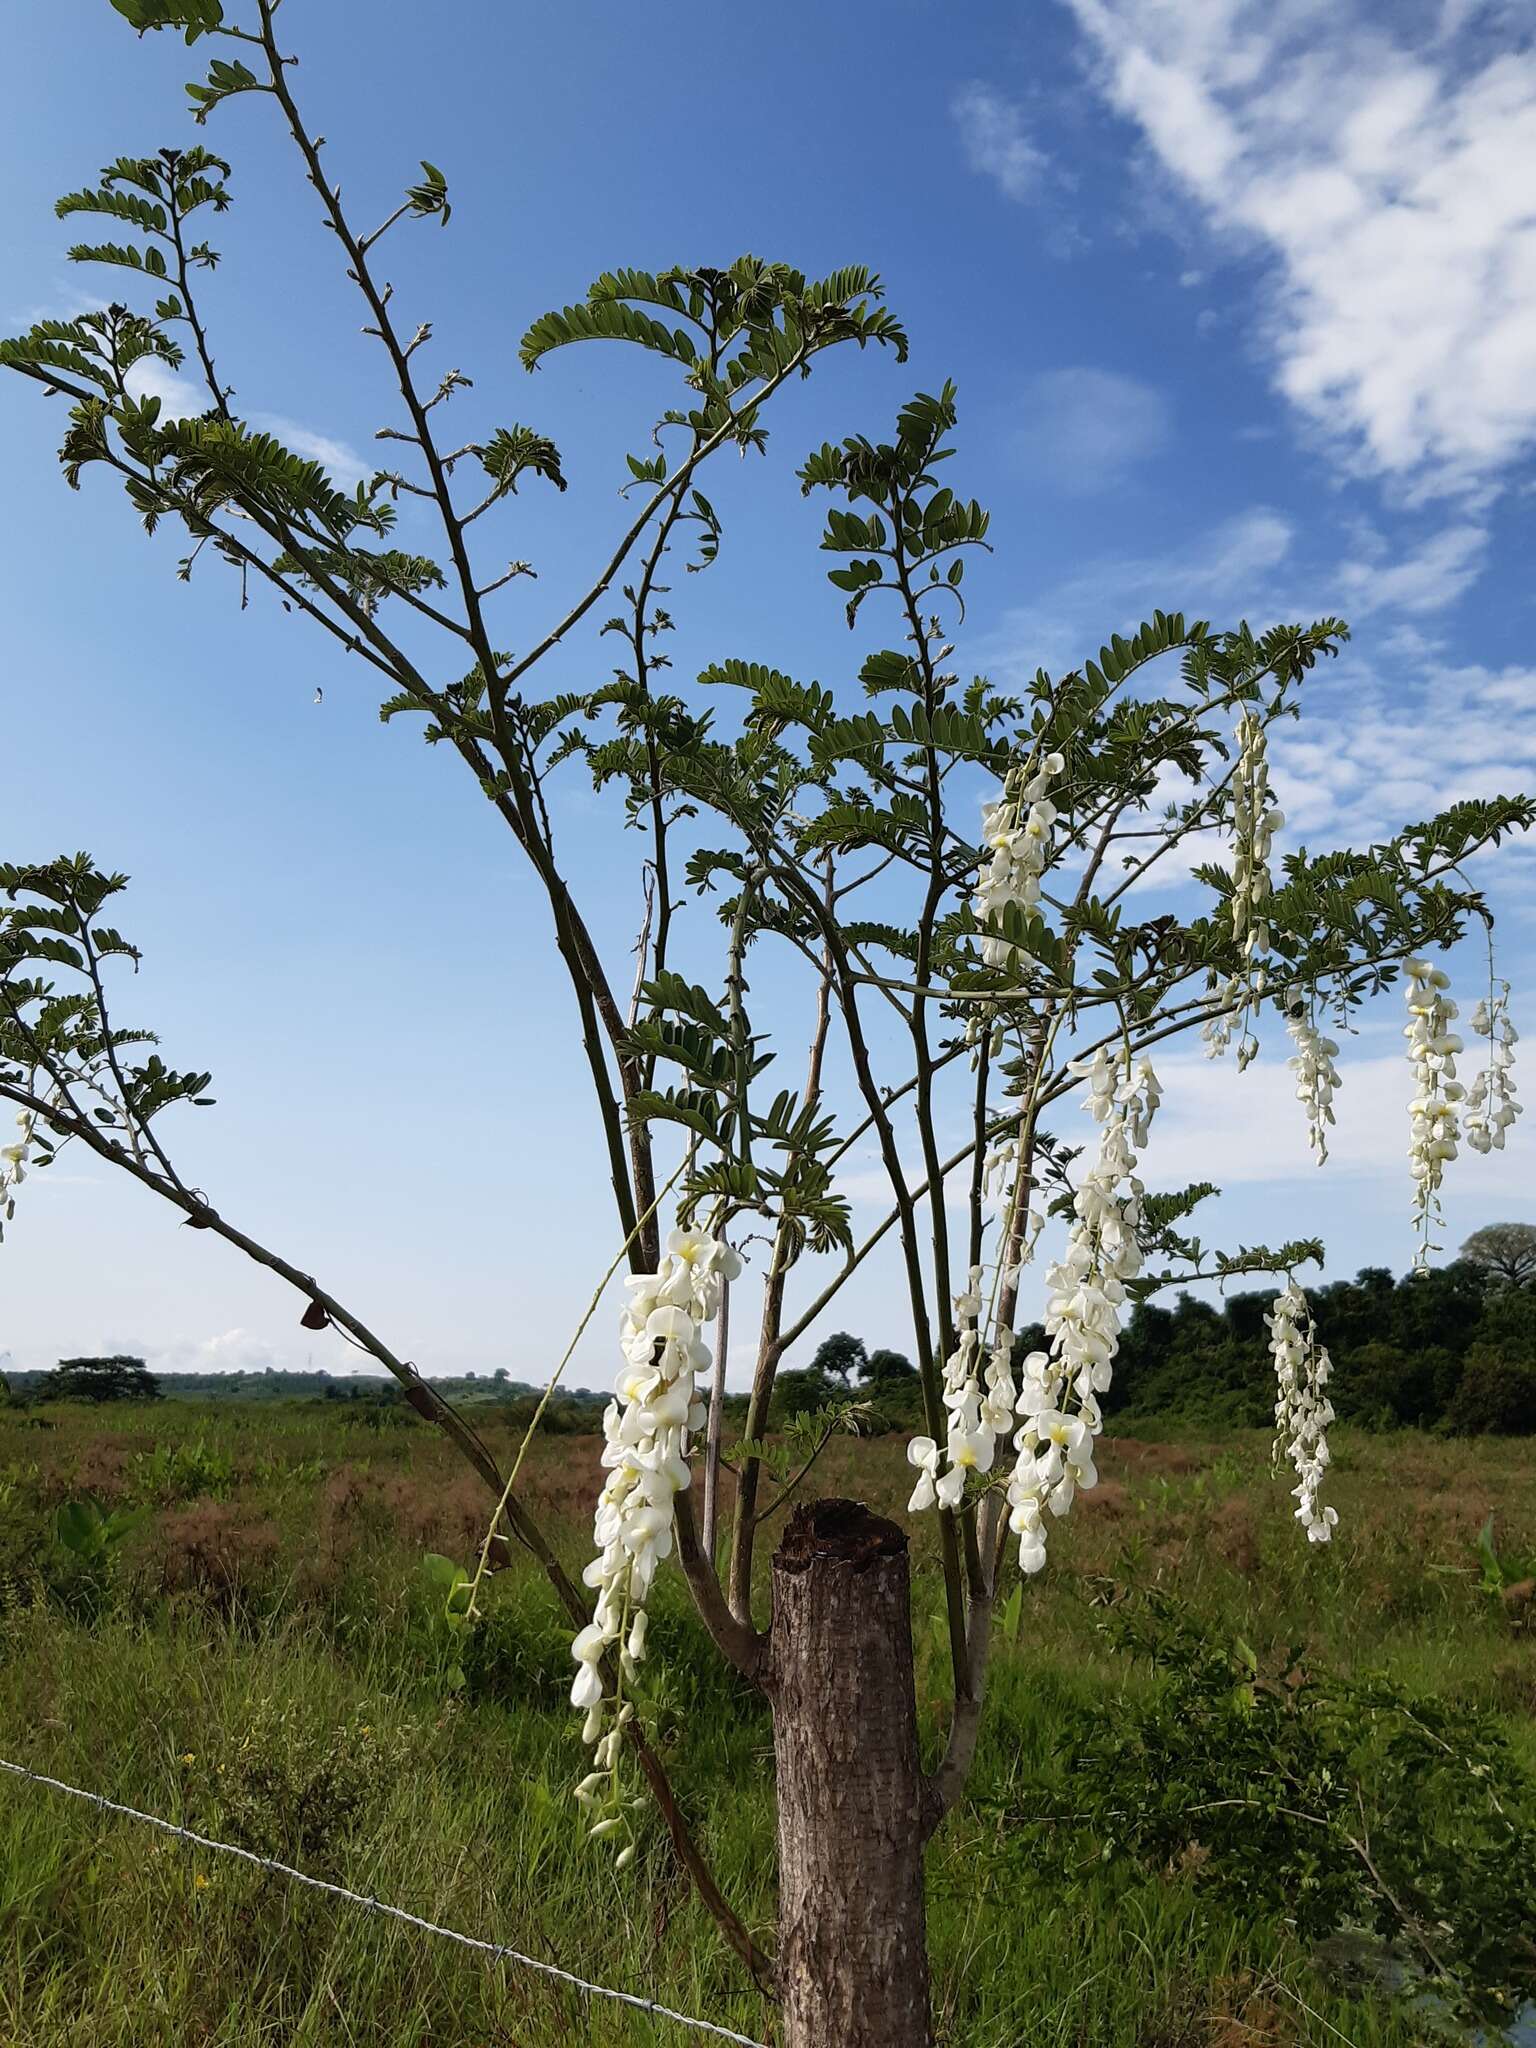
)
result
[(1016, 833), (1255, 821), (646, 1431), (13, 1166), (1216, 1031), (1432, 1050), (1492, 1105), (1312, 1064), (1302, 1408), (979, 1406), (1000, 1183), (1058, 1401)]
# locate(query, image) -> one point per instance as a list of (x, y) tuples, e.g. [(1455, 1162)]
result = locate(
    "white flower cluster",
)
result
[(1058, 1402), (1000, 1183), (1312, 1064), (13, 1167), (1492, 1104), (1016, 832), (1302, 1408), (1254, 824), (645, 1455), (1432, 1050), (1216, 1031), (1255, 821), (997, 1173), (980, 1412)]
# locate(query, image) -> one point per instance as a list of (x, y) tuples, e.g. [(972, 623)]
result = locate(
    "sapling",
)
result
[(980, 901)]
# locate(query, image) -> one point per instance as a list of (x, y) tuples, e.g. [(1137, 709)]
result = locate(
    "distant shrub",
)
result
[(118, 1378), (800, 1393), (884, 1366), (895, 1404), (1496, 1396)]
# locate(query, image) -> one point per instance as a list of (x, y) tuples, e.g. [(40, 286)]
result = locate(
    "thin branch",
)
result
[(770, 1346), (714, 1421)]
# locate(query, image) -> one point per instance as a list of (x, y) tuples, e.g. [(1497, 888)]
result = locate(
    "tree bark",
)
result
[(853, 1957)]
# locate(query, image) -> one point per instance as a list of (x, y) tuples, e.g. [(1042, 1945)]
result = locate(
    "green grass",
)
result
[(265, 1664)]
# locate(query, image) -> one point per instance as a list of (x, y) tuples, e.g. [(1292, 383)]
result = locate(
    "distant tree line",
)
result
[(885, 1382), (1454, 1348), (123, 1378)]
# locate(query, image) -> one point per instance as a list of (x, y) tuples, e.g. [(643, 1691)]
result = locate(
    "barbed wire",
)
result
[(499, 1949)]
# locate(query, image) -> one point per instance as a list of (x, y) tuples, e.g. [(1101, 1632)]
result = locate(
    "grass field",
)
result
[(262, 1659)]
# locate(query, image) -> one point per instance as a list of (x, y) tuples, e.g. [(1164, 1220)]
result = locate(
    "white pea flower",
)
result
[(1058, 1399), (1433, 1111), (997, 1170), (978, 1413), (646, 1433), (1312, 1064), (1216, 1032), (14, 1160), (949, 1487), (1492, 1104), (1302, 1408), (1255, 821), (1025, 1522), (1016, 832), (923, 1452)]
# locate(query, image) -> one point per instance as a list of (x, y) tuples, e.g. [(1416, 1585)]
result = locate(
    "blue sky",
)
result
[(1241, 303)]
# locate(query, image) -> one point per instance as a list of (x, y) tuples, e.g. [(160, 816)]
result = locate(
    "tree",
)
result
[(885, 1367), (100, 1379), (1496, 1396), (997, 978), (1506, 1250), (841, 1357)]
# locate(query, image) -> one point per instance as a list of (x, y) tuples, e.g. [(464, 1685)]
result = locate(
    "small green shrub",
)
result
[(298, 1789), (183, 1471), (1335, 1804), (89, 1533)]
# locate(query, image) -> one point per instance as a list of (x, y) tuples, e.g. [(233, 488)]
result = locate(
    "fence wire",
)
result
[(500, 1949)]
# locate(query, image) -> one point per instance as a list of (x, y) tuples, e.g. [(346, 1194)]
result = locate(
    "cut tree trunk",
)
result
[(853, 1956)]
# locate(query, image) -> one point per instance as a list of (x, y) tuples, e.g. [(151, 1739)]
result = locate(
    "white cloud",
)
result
[(996, 141), (1374, 752), (1237, 1129), (345, 466), (237, 1350), (1399, 217), (1222, 573), (1228, 562), (1392, 731), (1083, 429), (1432, 576), (181, 397)]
